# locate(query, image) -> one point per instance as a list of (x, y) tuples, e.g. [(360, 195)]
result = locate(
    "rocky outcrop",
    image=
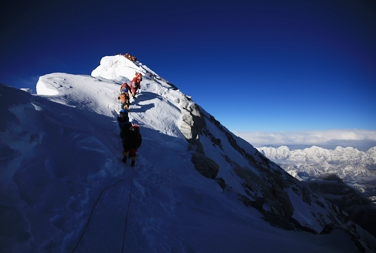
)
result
[(192, 124), (205, 166), (274, 197), (268, 182), (333, 189), (215, 141), (256, 160), (266, 186)]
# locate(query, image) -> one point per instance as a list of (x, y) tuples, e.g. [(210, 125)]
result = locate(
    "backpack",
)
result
[(124, 98), (123, 116), (130, 135)]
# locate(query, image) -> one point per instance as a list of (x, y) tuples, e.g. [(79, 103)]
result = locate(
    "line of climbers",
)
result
[(129, 134), (131, 58), (133, 87)]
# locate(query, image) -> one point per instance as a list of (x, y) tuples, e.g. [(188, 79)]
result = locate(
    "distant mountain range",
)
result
[(331, 172), (356, 168)]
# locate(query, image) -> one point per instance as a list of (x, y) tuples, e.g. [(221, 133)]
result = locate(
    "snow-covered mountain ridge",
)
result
[(317, 166), (318, 154), (196, 187), (350, 164)]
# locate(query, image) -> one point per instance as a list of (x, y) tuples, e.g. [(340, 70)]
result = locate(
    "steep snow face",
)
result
[(65, 189)]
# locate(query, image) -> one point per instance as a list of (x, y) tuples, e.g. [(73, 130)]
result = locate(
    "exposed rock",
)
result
[(192, 122), (221, 182), (173, 86), (215, 141), (207, 167), (274, 196), (190, 147), (282, 197), (331, 227), (262, 178), (347, 199), (287, 223), (263, 162)]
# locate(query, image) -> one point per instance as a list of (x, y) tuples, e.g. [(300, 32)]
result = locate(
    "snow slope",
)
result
[(64, 187)]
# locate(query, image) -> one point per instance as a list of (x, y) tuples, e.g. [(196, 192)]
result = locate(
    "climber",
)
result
[(124, 96), (123, 119), (124, 99), (131, 139), (124, 88), (138, 74), (135, 84)]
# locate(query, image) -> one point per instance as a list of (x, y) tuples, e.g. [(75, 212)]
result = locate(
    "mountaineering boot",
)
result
[(125, 154), (124, 160), (133, 161)]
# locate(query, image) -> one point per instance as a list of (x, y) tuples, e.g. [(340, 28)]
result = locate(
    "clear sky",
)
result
[(266, 65)]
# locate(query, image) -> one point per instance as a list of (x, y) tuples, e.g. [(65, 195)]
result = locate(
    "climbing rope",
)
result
[(126, 218), (87, 224)]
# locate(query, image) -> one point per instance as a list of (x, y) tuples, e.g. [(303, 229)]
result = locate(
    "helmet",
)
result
[(136, 126)]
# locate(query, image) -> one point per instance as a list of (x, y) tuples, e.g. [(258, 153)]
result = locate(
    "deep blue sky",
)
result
[(254, 65)]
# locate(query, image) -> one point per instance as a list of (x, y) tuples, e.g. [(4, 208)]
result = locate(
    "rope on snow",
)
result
[(87, 224)]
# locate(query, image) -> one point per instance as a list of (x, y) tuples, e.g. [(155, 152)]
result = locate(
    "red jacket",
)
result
[(135, 84)]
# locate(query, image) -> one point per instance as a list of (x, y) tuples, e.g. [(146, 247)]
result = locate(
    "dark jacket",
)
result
[(131, 137)]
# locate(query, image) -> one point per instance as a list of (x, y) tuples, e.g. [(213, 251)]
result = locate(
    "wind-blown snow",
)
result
[(61, 159)]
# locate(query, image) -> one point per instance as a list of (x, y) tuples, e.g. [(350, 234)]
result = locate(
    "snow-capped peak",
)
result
[(64, 187)]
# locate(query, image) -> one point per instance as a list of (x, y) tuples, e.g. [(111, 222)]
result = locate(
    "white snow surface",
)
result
[(64, 188), (116, 67)]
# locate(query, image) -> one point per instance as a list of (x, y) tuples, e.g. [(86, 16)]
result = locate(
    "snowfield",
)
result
[(64, 188)]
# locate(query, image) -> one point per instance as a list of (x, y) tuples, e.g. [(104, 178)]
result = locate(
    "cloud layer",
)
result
[(358, 138)]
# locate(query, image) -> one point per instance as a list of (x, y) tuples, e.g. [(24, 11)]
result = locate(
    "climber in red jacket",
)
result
[(135, 84)]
